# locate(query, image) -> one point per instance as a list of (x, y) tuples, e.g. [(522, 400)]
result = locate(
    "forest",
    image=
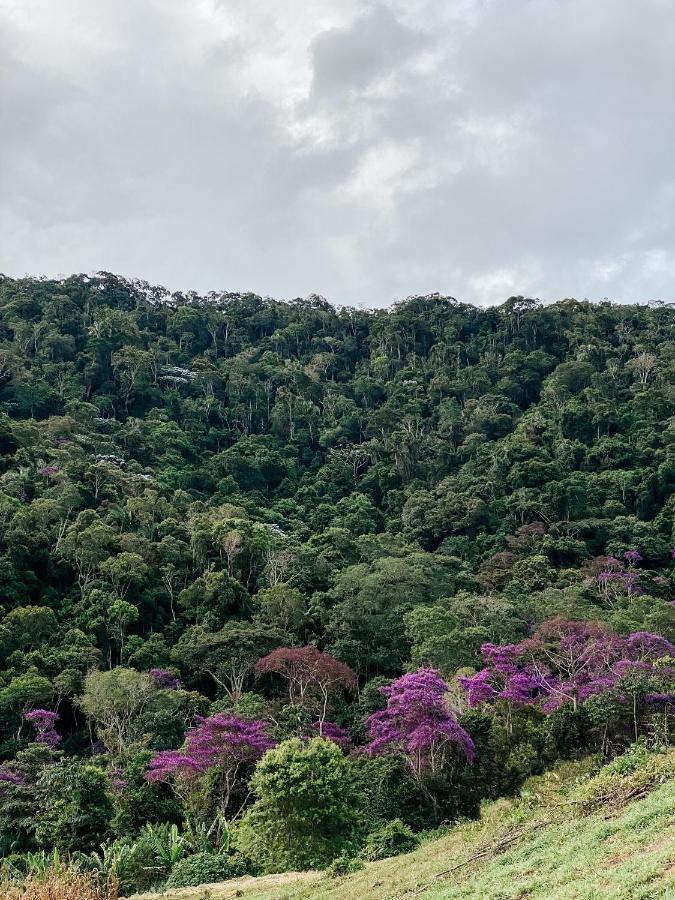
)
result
[(285, 585)]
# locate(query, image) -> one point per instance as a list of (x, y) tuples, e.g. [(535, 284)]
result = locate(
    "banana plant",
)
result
[(168, 844)]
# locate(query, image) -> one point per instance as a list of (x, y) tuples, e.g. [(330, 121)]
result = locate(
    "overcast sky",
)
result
[(363, 151)]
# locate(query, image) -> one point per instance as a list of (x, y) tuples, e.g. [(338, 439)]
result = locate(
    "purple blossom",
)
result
[(478, 687), (117, 779), (418, 723), (566, 662), (663, 700), (632, 557), (8, 776), (225, 746), (165, 679), (643, 645), (613, 583), (44, 722), (220, 745), (48, 471), (333, 732)]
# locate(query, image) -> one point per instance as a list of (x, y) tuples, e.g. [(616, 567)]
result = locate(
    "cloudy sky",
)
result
[(363, 151)]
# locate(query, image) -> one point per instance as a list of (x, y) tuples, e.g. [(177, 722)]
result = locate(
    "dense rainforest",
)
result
[(283, 583)]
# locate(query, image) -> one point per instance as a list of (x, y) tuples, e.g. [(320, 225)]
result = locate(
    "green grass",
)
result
[(542, 845)]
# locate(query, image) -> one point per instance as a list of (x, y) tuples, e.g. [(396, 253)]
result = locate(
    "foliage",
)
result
[(203, 868), (305, 809), (228, 506), (389, 840), (76, 807)]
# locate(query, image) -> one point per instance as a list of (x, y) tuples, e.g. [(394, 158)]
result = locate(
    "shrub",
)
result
[(626, 778), (204, 868), (390, 840), (306, 810), (344, 864)]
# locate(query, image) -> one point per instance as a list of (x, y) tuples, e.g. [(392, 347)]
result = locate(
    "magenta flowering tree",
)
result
[(418, 724), (331, 731), (633, 557), (505, 677), (566, 662), (165, 679), (221, 751), (44, 723), (311, 676), (10, 777)]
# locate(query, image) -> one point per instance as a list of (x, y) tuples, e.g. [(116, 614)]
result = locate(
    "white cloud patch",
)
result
[(363, 150)]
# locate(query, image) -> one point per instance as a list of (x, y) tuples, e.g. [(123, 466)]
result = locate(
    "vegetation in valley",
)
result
[(549, 843), (285, 586)]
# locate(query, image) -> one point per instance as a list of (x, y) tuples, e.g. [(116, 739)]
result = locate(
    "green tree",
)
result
[(306, 809)]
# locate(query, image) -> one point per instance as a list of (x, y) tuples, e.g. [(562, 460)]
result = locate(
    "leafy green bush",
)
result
[(344, 864), (306, 810), (389, 840), (204, 868), (626, 778)]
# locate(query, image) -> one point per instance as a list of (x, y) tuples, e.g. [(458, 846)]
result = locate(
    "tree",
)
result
[(228, 655), (418, 724), (305, 809), (44, 722), (217, 756), (568, 663), (23, 693), (120, 615), (282, 607), (76, 807), (310, 674), (113, 701)]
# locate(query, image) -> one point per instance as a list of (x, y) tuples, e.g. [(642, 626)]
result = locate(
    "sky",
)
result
[(362, 151)]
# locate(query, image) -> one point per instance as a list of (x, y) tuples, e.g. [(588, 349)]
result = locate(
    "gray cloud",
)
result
[(360, 150)]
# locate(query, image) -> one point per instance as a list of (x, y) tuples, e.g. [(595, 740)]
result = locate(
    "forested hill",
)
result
[(188, 483)]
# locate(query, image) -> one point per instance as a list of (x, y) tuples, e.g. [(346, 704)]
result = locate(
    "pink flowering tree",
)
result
[(216, 760), (311, 676), (418, 724)]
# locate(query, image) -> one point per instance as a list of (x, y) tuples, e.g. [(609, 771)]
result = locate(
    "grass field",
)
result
[(550, 843)]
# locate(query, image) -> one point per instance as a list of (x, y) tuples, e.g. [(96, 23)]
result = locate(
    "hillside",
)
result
[(542, 845), (281, 582)]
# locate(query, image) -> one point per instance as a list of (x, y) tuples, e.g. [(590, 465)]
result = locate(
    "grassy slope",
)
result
[(538, 846)]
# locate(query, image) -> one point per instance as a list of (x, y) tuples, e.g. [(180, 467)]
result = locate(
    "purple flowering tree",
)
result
[(618, 582), (568, 662), (165, 679), (331, 731), (633, 557), (418, 724), (44, 723), (220, 751), (10, 777)]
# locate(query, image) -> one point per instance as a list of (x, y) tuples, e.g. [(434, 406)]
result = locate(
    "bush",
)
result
[(629, 776), (204, 868), (306, 811), (344, 864), (390, 840)]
